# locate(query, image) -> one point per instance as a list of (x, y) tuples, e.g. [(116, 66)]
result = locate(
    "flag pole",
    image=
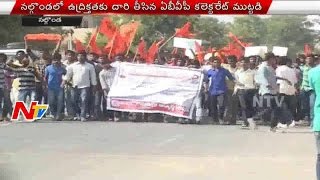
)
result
[(132, 40), (96, 29), (135, 56), (166, 42), (109, 55)]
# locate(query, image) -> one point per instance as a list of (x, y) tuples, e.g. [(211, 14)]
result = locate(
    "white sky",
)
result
[(230, 18)]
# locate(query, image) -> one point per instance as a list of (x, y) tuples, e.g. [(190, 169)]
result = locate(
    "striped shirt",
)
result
[(26, 77), (2, 77), (305, 81)]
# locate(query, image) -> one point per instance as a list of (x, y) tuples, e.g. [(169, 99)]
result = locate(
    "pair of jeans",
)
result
[(288, 108), (110, 113), (56, 102), (312, 101), (317, 137), (7, 104), (91, 102), (217, 106), (80, 97), (97, 104), (41, 94), (68, 101), (232, 107), (24, 93), (305, 104), (246, 103), (1, 101), (269, 105)]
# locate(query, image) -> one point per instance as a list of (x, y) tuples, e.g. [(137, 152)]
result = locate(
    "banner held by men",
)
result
[(155, 89)]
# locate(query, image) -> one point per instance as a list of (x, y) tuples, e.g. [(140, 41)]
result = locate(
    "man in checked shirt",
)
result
[(40, 65)]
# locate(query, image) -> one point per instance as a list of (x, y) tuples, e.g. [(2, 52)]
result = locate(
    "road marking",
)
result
[(167, 141), (5, 124)]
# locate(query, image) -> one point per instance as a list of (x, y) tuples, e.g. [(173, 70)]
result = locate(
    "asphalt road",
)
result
[(152, 151)]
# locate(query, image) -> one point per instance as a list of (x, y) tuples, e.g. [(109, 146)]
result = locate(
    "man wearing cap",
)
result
[(218, 90), (83, 76)]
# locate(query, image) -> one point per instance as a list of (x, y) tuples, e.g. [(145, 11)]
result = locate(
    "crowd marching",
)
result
[(76, 86)]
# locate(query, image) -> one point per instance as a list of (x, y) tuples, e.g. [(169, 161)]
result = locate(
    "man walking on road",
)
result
[(53, 77), (218, 90), (314, 82), (83, 76)]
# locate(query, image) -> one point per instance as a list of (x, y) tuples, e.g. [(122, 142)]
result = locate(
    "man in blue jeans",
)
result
[(83, 77), (217, 90), (306, 93), (53, 77)]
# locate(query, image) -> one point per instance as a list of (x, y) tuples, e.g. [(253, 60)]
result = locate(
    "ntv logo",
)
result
[(267, 101)]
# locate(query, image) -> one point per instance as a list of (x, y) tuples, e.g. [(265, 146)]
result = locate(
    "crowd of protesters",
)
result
[(76, 86)]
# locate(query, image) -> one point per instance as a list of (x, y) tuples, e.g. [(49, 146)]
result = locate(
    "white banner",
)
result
[(186, 43), (155, 89), (256, 51), (280, 51)]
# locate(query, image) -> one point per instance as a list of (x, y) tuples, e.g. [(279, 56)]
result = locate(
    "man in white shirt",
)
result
[(287, 91), (83, 77), (245, 89)]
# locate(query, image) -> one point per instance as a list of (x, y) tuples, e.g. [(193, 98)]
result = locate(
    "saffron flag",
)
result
[(153, 50), (141, 49), (184, 31), (78, 45), (129, 31), (107, 27), (92, 44), (117, 45), (199, 52), (236, 40)]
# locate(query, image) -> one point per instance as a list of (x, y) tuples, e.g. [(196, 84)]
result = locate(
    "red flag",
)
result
[(153, 50), (107, 27), (236, 40), (199, 52), (92, 44), (307, 49), (128, 31), (79, 46), (184, 32), (233, 49), (141, 49), (198, 47), (117, 45)]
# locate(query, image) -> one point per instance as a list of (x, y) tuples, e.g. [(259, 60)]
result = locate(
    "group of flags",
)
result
[(120, 39)]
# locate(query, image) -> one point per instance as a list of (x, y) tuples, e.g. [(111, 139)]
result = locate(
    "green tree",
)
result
[(289, 31), (11, 29), (250, 28), (211, 30)]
